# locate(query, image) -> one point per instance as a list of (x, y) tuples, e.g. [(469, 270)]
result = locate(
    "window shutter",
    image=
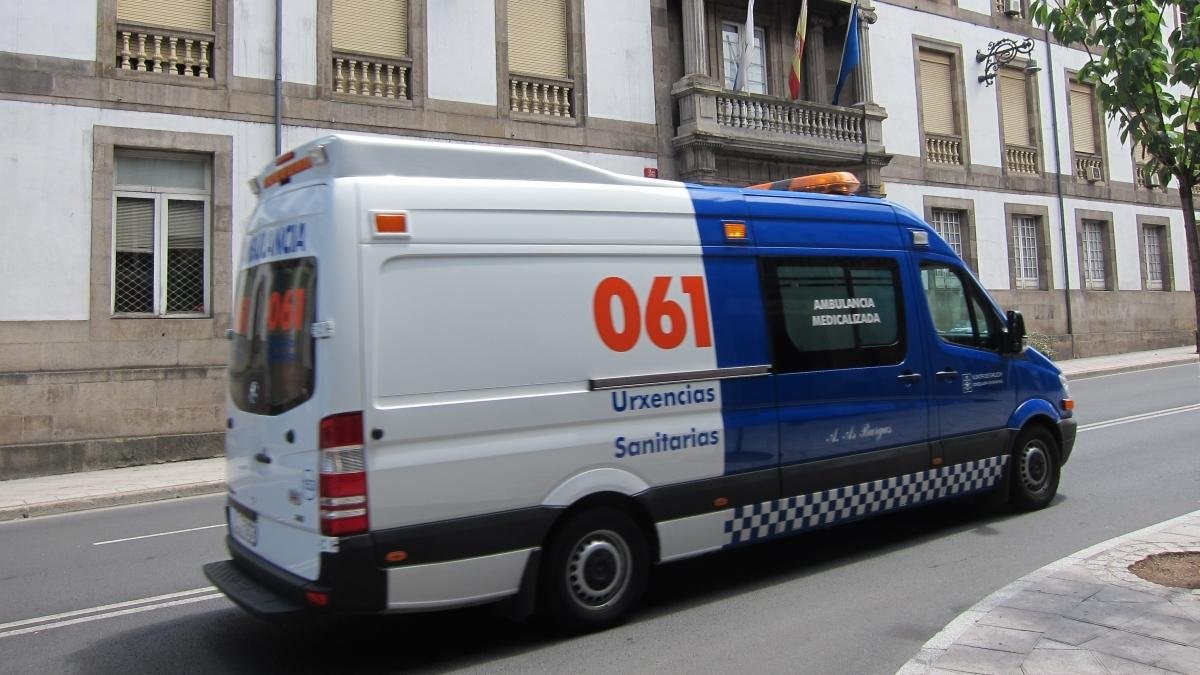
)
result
[(937, 94), (378, 27), (135, 225), (185, 224), (1014, 108), (537, 37), (194, 15), (1083, 133)]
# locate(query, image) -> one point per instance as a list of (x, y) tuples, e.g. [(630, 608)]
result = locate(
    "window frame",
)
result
[(787, 358), (1041, 216), (576, 69), (1098, 131), (414, 61), (1033, 133), (957, 101), (162, 197), (1108, 258), (1162, 226), (763, 50), (220, 66), (966, 207)]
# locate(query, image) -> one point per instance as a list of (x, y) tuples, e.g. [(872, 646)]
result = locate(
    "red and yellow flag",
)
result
[(798, 52)]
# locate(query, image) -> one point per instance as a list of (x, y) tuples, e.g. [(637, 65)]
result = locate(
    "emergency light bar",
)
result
[(288, 168), (832, 183)]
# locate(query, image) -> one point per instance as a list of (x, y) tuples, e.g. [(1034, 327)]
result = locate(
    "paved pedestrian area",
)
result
[(45, 495), (1086, 613)]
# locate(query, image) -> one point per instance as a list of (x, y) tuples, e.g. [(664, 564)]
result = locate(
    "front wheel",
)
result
[(1035, 469), (595, 570)]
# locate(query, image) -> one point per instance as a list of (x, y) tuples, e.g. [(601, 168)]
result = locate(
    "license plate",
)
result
[(244, 526)]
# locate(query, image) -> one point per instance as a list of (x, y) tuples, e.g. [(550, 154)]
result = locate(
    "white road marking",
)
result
[(1141, 417), (157, 534), (1080, 378), (106, 611)]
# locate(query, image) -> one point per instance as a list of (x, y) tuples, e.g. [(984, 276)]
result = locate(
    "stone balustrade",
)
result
[(369, 76), (540, 96), (1021, 159), (940, 149), (164, 51), (1089, 167), (743, 111)]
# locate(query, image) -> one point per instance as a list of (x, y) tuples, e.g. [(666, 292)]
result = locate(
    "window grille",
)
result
[(1095, 266), (1025, 252), (1152, 247), (948, 224)]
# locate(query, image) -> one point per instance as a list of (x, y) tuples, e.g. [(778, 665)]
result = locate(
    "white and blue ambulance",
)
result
[(462, 374)]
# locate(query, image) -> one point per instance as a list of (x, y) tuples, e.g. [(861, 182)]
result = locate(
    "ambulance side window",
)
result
[(959, 314), (830, 313)]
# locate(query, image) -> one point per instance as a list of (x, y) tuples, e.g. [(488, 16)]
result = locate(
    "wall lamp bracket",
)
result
[(1001, 53)]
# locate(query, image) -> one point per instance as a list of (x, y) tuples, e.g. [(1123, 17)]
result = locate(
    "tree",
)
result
[(1145, 69)]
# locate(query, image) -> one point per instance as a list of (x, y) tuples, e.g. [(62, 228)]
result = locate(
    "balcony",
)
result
[(1020, 159), (1089, 167), (163, 50), (715, 122), (541, 96), (943, 149), (369, 76)]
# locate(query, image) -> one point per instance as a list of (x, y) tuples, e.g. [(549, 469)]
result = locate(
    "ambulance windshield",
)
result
[(271, 367)]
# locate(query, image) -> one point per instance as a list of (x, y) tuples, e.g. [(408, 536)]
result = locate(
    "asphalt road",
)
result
[(861, 598)]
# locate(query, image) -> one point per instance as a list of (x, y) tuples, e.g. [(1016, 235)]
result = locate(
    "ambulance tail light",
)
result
[(343, 483), (292, 166), (833, 183)]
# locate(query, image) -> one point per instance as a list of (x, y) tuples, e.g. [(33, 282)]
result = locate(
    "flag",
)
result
[(849, 51), (743, 69), (798, 52)]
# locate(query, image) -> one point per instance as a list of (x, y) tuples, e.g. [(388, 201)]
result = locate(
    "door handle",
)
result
[(947, 374), (263, 457), (908, 377)]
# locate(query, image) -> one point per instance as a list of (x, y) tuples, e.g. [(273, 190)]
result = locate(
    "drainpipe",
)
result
[(278, 77), (1062, 208)]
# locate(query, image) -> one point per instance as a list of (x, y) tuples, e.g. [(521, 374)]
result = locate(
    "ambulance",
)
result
[(464, 374)]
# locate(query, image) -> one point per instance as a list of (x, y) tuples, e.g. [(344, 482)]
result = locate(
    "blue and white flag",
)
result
[(850, 52), (747, 45)]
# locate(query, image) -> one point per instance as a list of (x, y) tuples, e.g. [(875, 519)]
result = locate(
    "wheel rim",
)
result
[(1035, 467), (598, 571)]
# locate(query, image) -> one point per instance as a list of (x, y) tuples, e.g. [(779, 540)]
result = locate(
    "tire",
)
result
[(1035, 469), (595, 570)]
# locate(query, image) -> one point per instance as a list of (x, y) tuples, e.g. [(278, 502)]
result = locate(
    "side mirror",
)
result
[(1015, 335)]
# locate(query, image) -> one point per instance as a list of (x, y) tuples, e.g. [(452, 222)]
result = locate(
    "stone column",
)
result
[(863, 89), (695, 39), (814, 61)]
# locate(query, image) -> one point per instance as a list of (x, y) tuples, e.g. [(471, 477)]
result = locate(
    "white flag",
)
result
[(740, 80)]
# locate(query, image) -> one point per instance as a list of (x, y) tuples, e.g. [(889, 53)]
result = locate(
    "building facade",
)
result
[(134, 126)]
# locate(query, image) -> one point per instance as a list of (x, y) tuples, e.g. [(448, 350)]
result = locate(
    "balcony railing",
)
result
[(161, 50), (1089, 167), (940, 149), (541, 96), (370, 76), (782, 117), (1021, 159)]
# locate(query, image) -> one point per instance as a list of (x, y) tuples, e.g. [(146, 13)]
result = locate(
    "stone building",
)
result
[(134, 125)]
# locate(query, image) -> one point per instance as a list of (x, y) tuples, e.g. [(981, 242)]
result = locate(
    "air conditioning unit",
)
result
[(1012, 7), (1151, 180), (1094, 175)]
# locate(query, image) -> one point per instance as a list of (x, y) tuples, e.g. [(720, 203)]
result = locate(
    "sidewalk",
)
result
[(1084, 614)]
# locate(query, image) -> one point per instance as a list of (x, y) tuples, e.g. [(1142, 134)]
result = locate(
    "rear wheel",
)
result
[(1035, 469), (595, 570)]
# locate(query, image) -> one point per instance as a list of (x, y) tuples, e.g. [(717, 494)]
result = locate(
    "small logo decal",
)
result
[(252, 392)]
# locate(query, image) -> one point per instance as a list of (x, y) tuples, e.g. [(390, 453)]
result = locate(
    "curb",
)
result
[(1115, 370), (116, 499), (922, 661)]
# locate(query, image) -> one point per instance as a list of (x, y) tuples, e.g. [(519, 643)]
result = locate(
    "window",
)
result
[(959, 313), (1026, 270), (1020, 146), (370, 48), (1095, 258), (948, 225), (731, 49), (834, 313), (540, 80), (161, 235), (1089, 165), (173, 38), (1156, 262), (939, 118)]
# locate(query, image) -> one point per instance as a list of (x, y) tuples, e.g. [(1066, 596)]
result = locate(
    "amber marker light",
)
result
[(721, 502), (396, 556), (391, 223), (735, 231), (1068, 404)]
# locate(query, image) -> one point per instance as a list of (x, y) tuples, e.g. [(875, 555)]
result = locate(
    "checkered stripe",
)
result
[(795, 514)]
